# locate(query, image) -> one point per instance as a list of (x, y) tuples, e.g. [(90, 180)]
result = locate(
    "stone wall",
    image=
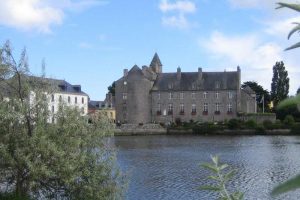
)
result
[(259, 117)]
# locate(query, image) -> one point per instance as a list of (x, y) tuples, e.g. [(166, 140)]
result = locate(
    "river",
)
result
[(167, 167)]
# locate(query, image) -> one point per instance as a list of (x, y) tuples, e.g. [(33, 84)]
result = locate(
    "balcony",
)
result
[(181, 113), (193, 113), (217, 112)]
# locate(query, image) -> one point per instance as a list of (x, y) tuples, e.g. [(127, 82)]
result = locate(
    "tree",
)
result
[(260, 92), (66, 160), (280, 83), (298, 91), (295, 7), (112, 88)]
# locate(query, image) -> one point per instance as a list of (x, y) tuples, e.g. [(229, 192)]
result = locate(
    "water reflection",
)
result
[(167, 167)]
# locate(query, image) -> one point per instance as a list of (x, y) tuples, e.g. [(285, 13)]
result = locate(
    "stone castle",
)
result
[(148, 95)]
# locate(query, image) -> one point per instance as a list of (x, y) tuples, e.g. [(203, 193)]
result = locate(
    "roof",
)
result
[(62, 85), (248, 90), (95, 104), (155, 61), (191, 81)]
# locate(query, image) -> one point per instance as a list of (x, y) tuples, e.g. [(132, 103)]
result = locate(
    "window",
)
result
[(75, 100), (217, 95), (52, 109), (158, 96), (52, 97), (124, 96), (193, 108), (60, 98), (181, 108), (125, 82), (229, 107), (53, 120), (230, 95), (170, 109), (205, 107), (170, 95), (193, 95), (170, 85), (181, 95), (159, 107), (217, 85), (193, 86), (82, 111), (82, 100), (204, 95), (69, 99), (217, 107)]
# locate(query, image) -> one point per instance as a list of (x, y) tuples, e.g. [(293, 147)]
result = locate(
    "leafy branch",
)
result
[(221, 178), (295, 7)]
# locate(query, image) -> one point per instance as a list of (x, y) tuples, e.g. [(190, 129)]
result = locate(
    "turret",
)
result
[(155, 64)]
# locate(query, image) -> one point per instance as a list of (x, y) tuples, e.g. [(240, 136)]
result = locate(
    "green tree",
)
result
[(260, 92), (298, 91), (112, 88), (69, 159), (295, 7), (280, 83)]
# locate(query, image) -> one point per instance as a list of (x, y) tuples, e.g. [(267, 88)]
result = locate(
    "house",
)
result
[(148, 95)]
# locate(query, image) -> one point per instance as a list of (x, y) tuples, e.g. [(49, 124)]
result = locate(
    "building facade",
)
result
[(148, 95)]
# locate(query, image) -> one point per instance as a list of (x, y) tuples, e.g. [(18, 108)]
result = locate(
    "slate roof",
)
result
[(95, 104), (155, 61), (61, 85), (248, 90), (190, 81)]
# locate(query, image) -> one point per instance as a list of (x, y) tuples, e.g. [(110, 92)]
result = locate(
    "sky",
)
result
[(90, 42)]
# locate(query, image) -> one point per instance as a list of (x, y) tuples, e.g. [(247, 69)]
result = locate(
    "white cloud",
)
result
[(178, 9), (280, 27), (255, 56), (253, 3), (181, 6), (38, 15)]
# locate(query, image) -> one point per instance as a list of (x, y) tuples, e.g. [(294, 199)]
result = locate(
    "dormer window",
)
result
[(193, 86)]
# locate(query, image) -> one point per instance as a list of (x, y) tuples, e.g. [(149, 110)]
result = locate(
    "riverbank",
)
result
[(143, 132)]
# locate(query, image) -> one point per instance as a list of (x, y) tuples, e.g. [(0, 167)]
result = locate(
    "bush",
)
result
[(295, 128), (268, 124), (260, 129), (289, 120), (205, 128), (234, 124), (177, 121), (251, 124)]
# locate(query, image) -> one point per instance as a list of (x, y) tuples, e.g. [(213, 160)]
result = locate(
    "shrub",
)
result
[(234, 124), (268, 124), (205, 128), (295, 128), (260, 129), (289, 120), (251, 124), (177, 121)]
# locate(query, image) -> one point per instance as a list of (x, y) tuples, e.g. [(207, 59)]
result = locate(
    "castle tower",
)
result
[(155, 64)]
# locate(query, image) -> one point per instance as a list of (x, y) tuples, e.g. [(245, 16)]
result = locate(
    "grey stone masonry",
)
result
[(148, 95)]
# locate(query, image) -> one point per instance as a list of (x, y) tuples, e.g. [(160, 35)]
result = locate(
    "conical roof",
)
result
[(155, 61)]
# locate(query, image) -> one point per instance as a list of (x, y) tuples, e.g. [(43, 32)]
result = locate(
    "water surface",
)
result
[(167, 167)]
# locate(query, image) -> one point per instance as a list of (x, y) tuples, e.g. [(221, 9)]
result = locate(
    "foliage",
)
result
[(289, 185), (290, 106), (221, 177), (206, 128), (260, 129), (69, 159), (251, 124), (112, 88), (295, 7), (234, 124), (298, 91), (268, 124), (289, 120), (280, 83), (261, 93)]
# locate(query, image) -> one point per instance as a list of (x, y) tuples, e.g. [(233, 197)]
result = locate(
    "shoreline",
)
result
[(250, 132)]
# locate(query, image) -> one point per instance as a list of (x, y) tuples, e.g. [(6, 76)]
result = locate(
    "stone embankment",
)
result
[(136, 129)]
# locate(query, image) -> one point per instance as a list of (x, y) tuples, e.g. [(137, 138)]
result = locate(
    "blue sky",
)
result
[(90, 42)]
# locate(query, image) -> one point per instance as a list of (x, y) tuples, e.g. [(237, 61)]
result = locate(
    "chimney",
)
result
[(125, 72), (178, 73), (199, 73)]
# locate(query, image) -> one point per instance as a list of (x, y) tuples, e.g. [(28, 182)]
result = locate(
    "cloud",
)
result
[(252, 3), (255, 56), (38, 15), (280, 27), (180, 6), (175, 13)]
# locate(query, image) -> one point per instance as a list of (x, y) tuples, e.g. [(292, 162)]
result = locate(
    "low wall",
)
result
[(259, 117), (135, 129)]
